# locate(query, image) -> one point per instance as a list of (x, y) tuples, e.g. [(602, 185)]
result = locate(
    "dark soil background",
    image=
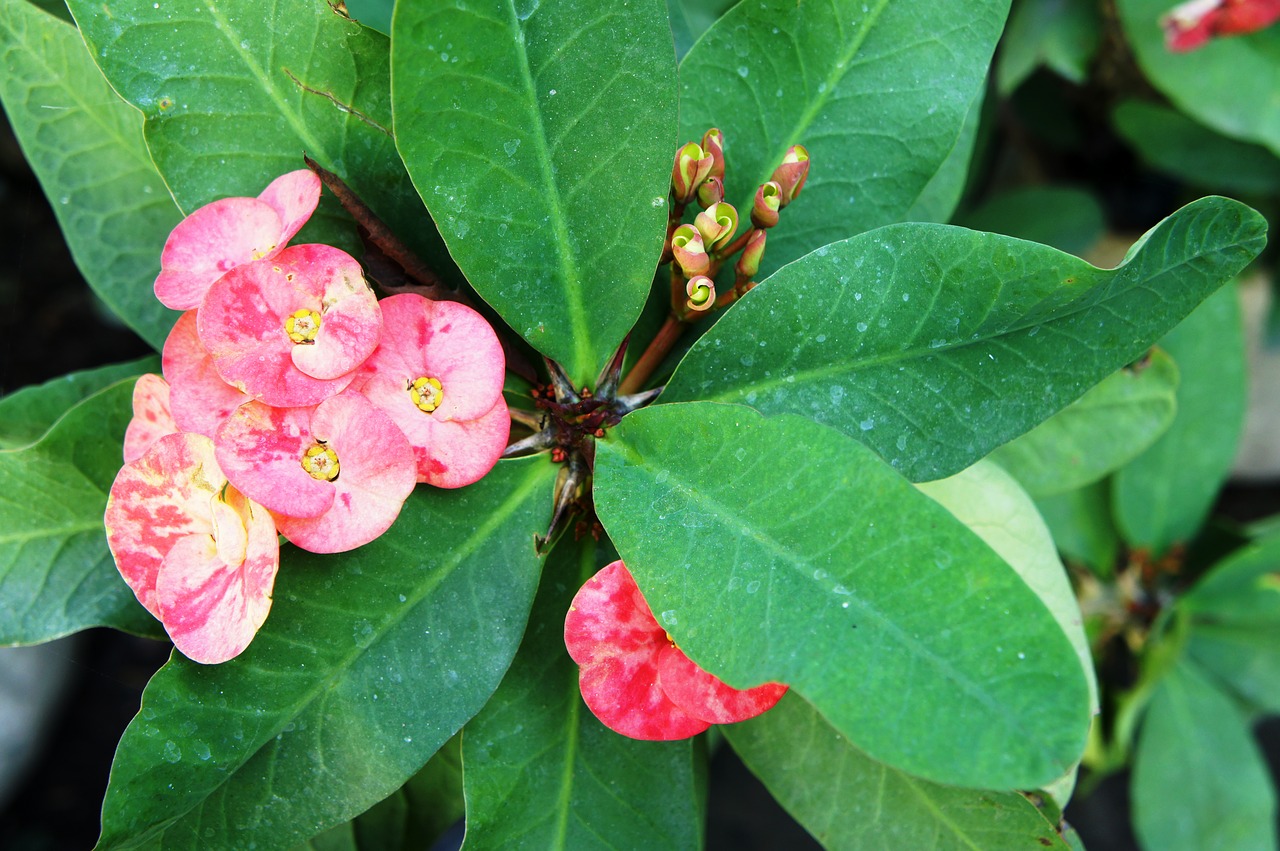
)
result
[(51, 324)]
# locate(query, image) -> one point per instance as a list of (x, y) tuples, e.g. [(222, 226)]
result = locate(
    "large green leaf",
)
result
[(933, 345), (26, 414), (849, 801), (1163, 496), (541, 137), (56, 574), (779, 549), (1234, 614), (86, 147), (367, 664), (1199, 780), (877, 91), (1229, 84), (1172, 142), (542, 772), (1101, 431), (234, 92)]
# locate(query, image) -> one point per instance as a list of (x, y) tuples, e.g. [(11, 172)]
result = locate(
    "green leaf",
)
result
[(938, 200), (541, 137), (234, 93), (1100, 432), (991, 503), (542, 772), (411, 818), (86, 147), (877, 91), (367, 664), (1199, 780), (1083, 527), (1062, 35), (1234, 614), (26, 414), (1226, 85), (1164, 495), (934, 345), (849, 801), (1171, 142), (776, 549), (56, 574), (1075, 226)]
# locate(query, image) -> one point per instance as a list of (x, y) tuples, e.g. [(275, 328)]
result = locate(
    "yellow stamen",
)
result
[(426, 393), (303, 326), (321, 463)]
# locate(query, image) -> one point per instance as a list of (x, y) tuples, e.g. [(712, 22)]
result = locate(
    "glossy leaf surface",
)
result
[(1199, 780), (233, 93), (849, 801), (86, 146), (367, 664), (933, 345), (56, 574), (777, 73), (780, 550), (541, 137), (26, 414), (1099, 432), (542, 772), (1163, 496)]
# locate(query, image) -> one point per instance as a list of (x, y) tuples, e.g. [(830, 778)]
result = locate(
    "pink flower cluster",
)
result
[(292, 402), (632, 675), (1192, 24)]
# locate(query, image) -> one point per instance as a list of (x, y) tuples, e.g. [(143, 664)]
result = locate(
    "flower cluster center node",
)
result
[(427, 393), (321, 463), (303, 325)]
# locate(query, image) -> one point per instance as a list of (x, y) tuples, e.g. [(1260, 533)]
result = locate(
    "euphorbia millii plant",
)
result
[(741, 355)]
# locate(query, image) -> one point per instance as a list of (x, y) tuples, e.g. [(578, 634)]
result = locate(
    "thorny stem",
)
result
[(658, 349)]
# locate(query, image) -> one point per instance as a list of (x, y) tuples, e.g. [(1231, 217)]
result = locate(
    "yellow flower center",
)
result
[(321, 462), (426, 393), (302, 326)]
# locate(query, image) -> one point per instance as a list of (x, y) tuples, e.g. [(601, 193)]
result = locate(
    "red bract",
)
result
[(634, 678), (231, 232), (335, 475), (291, 330), (1192, 25), (198, 555), (199, 398), (438, 373), (152, 419)]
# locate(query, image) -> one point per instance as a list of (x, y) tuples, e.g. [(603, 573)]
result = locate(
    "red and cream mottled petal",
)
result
[(705, 696), (152, 418), (351, 320), (210, 242), (157, 500), (241, 323), (611, 634), (294, 197), (199, 398), (376, 475), (260, 448), (211, 607)]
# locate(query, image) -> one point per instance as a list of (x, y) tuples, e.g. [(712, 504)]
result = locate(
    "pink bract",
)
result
[(152, 419), (634, 679), (459, 441), (199, 398), (230, 232), (198, 555), (262, 450), (246, 317)]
